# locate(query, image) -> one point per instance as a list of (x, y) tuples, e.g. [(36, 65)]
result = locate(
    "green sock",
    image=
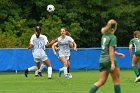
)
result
[(139, 70), (117, 88), (136, 71), (93, 89)]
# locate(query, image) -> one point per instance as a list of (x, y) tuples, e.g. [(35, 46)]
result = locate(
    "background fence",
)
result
[(84, 58)]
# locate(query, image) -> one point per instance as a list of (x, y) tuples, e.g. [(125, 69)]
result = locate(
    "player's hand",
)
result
[(56, 48), (112, 67), (75, 48), (121, 55), (55, 53)]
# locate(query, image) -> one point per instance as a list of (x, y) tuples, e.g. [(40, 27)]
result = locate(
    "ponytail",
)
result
[(110, 27)]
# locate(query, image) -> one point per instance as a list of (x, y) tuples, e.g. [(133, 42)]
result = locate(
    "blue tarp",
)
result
[(84, 58)]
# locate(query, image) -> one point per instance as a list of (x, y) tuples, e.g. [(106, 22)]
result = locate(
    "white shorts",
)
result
[(67, 57), (41, 59)]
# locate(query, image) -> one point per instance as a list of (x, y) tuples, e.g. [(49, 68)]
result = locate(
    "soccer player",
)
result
[(108, 63), (136, 57), (38, 42), (64, 42)]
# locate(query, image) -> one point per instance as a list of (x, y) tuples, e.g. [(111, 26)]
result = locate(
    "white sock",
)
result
[(41, 67), (33, 68), (36, 72), (49, 72), (65, 71), (61, 69)]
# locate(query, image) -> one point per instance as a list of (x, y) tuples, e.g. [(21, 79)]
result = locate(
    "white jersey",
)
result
[(39, 45), (63, 45)]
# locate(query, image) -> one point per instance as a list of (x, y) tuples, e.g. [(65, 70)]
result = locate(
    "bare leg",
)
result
[(101, 82), (48, 64), (115, 74)]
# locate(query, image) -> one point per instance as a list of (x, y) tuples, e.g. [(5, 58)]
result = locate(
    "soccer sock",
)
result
[(93, 89), (117, 88), (49, 72), (41, 67), (36, 72), (136, 71), (61, 69), (139, 70), (33, 68), (65, 71), (68, 69)]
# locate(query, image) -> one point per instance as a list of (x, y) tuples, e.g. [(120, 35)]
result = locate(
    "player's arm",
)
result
[(74, 46), (130, 50), (30, 46), (31, 43), (51, 43), (53, 48), (119, 54), (73, 43), (111, 55)]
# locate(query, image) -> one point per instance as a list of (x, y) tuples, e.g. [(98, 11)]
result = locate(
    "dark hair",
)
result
[(38, 28)]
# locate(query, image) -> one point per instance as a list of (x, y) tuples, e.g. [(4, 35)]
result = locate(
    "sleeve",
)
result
[(71, 39), (113, 41), (31, 40), (131, 42), (46, 40)]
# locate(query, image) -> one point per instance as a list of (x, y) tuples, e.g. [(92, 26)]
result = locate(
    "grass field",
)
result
[(80, 83)]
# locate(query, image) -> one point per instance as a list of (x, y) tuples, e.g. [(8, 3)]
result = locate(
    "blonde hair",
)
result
[(111, 26), (135, 33)]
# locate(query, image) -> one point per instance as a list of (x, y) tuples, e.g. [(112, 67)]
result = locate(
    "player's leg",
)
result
[(115, 74), (135, 69), (101, 82), (38, 66), (33, 68), (41, 68), (48, 64), (68, 68), (64, 60), (139, 66)]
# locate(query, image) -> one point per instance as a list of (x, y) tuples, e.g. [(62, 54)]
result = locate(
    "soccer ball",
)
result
[(50, 8)]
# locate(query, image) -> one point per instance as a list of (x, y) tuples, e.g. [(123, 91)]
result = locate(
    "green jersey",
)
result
[(136, 43), (106, 41)]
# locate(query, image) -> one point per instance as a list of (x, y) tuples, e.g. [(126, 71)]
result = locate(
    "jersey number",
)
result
[(103, 43)]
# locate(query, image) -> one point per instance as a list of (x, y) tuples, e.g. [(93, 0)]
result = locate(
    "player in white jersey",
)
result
[(38, 42), (64, 42)]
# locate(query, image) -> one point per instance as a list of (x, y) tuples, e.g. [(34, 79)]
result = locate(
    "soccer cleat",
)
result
[(60, 73), (70, 75), (40, 74), (36, 75), (49, 78), (66, 76), (137, 79), (26, 73)]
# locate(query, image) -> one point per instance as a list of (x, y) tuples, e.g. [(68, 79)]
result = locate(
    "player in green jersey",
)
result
[(108, 63), (136, 57)]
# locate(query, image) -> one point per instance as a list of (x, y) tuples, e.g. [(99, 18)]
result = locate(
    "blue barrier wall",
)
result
[(84, 58)]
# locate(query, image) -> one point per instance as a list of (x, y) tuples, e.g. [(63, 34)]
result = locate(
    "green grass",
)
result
[(80, 83)]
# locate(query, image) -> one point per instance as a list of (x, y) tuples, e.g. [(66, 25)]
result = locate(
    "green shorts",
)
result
[(137, 53), (107, 66)]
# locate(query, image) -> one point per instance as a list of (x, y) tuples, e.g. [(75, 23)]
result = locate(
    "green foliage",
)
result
[(83, 19)]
